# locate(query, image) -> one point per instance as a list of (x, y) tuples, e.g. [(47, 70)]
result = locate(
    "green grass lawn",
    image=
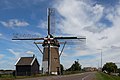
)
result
[(11, 77), (6, 77), (103, 76)]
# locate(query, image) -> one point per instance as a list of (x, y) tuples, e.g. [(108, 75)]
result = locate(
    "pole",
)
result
[(98, 64), (48, 57), (101, 59)]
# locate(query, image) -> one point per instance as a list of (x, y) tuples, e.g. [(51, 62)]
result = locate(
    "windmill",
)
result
[(51, 56)]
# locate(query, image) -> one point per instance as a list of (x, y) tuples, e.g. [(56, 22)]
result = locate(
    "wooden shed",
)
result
[(27, 66)]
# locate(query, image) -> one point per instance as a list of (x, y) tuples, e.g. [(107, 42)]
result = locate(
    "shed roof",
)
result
[(26, 61)]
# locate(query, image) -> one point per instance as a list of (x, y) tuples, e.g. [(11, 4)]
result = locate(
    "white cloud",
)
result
[(30, 52), (1, 56), (0, 34), (17, 54), (20, 53), (79, 15), (82, 18), (42, 24), (14, 23)]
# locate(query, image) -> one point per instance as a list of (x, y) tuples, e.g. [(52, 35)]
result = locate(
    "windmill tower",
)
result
[(51, 56)]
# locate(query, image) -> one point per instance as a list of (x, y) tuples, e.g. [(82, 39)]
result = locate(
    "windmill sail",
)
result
[(51, 60), (52, 21)]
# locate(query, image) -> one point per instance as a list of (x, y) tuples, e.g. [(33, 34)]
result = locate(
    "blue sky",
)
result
[(98, 20)]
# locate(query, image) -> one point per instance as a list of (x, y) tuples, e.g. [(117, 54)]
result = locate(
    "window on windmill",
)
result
[(55, 59)]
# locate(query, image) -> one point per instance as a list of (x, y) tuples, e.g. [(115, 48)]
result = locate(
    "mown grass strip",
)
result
[(103, 76)]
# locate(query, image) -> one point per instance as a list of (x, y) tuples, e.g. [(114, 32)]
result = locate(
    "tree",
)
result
[(75, 67), (110, 67), (119, 71)]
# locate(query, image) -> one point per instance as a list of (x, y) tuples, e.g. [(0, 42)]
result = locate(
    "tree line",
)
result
[(109, 68)]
